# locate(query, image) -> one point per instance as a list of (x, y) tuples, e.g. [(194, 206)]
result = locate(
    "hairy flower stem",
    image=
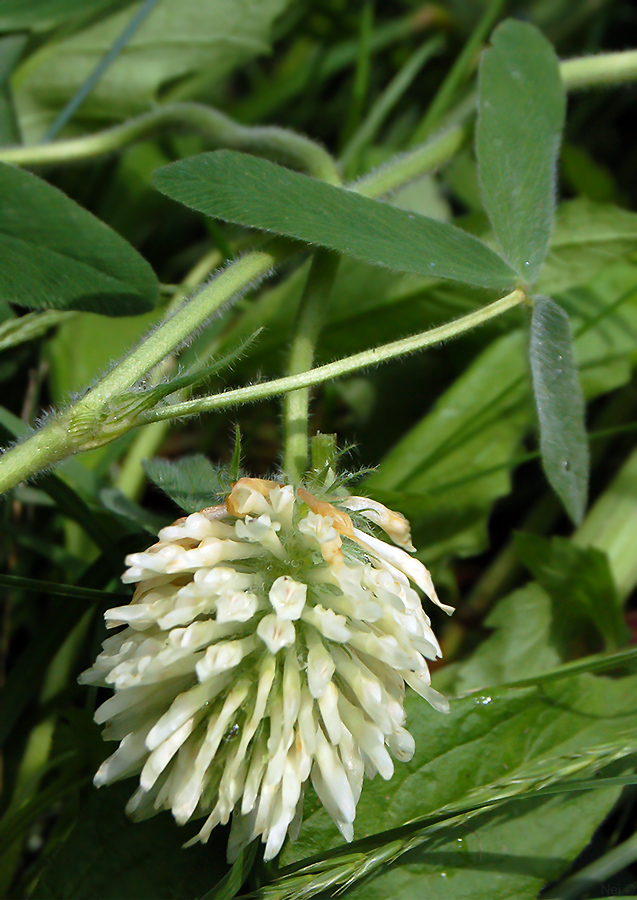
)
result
[(78, 427), (345, 366), (219, 130), (308, 325)]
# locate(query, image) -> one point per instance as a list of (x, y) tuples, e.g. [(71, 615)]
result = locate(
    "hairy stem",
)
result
[(342, 367), (308, 325), (219, 130), (605, 70)]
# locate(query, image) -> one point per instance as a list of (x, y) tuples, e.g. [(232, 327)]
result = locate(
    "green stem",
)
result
[(341, 367), (308, 325), (287, 147), (219, 130), (66, 434), (131, 476), (409, 166), (230, 282), (605, 70)]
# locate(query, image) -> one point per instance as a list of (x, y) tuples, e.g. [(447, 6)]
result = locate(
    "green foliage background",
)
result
[(528, 784)]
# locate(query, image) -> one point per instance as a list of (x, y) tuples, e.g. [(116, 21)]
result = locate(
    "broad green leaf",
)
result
[(580, 584), (588, 237), (56, 255), (520, 848), (106, 855), (490, 739), (560, 406), (192, 482), (521, 645), (256, 193), (521, 115), (179, 38), (569, 611)]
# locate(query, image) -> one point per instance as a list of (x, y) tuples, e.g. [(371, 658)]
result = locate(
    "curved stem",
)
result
[(409, 166), (605, 70), (341, 367), (62, 437), (219, 130), (308, 325)]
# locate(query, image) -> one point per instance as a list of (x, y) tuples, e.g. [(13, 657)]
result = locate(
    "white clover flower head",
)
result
[(268, 644)]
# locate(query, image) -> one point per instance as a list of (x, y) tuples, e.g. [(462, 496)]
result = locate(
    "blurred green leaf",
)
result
[(231, 883), (447, 471), (106, 855), (56, 255), (40, 14), (30, 326), (256, 193), (522, 643), (522, 105), (587, 238), (179, 38), (585, 176), (568, 612), (580, 584), (192, 482), (560, 406), (133, 514), (27, 672), (11, 48)]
